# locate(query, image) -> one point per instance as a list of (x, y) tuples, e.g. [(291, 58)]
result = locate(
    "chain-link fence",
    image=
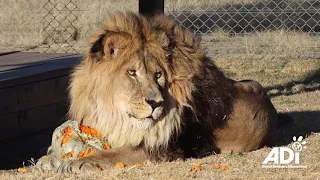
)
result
[(301, 16), (231, 29), (67, 23), (59, 26), (255, 29)]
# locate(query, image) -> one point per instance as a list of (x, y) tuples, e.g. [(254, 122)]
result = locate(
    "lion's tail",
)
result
[(284, 119)]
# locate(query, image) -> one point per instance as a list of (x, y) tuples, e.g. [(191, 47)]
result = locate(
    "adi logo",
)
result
[(285, 157)]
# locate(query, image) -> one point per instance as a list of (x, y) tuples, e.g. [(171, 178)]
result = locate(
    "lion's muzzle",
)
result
[(149, 109), (154, 104), (157, 107)]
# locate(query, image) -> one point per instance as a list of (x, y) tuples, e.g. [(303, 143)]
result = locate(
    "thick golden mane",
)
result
[(91, 95), (148, 88)]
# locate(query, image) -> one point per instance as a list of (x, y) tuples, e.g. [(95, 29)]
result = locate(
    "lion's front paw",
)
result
[(78, 166), (49, 162)]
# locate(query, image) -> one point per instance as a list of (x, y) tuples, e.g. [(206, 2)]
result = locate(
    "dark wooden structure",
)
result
[(33, 101), (151, 7)]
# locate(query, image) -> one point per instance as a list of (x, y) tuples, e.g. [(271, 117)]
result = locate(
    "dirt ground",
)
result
[(293, 85)]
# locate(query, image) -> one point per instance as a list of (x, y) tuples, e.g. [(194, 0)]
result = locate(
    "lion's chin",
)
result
[(142, 124), (146, 122)]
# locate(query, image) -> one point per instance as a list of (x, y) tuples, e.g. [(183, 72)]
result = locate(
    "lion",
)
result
[(148, 87)]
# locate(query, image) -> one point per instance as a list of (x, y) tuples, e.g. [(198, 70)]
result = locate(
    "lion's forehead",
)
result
[(144, 59)]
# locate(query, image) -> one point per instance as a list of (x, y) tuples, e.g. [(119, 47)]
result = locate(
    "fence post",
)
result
[(151, 7)]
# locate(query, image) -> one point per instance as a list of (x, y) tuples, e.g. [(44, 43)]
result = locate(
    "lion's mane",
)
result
[(189, 74)]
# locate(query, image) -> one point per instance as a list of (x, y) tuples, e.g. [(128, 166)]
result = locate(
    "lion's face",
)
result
[(140, 84), (134, 81), (131, 77)]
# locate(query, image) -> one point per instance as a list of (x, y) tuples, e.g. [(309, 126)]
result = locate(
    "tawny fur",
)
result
[(92, 97), (204, 112)]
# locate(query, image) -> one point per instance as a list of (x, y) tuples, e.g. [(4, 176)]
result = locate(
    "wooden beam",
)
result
[(16, 70), (151, 7), (24, 122), (32, 95)]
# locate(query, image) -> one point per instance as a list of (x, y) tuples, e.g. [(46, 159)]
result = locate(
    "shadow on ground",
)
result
[(309, 83), (303, 124)]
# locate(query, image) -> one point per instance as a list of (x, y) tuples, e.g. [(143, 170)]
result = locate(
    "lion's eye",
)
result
[(132, 72), (158, 75)]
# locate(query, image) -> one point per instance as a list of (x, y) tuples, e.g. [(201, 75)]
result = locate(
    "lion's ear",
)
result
[(104, 45), (96, 49), (110, 46)]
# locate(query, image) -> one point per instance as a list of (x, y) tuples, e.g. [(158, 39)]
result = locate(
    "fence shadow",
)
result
[(304, 123), (303, 16), (299, 86)]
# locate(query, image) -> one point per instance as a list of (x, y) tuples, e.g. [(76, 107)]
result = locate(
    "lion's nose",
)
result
[(154, 104)]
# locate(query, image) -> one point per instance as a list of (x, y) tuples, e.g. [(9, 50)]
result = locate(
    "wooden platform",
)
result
[(33, 101)]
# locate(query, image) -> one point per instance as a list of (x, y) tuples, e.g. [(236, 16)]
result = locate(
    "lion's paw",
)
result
[(49, 162), (78, 166)]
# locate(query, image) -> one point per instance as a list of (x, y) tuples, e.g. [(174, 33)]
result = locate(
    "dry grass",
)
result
[(269, 72), (263, 45), (303, 107)]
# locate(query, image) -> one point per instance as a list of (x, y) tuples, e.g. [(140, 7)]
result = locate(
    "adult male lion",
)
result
[(148, 87)]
